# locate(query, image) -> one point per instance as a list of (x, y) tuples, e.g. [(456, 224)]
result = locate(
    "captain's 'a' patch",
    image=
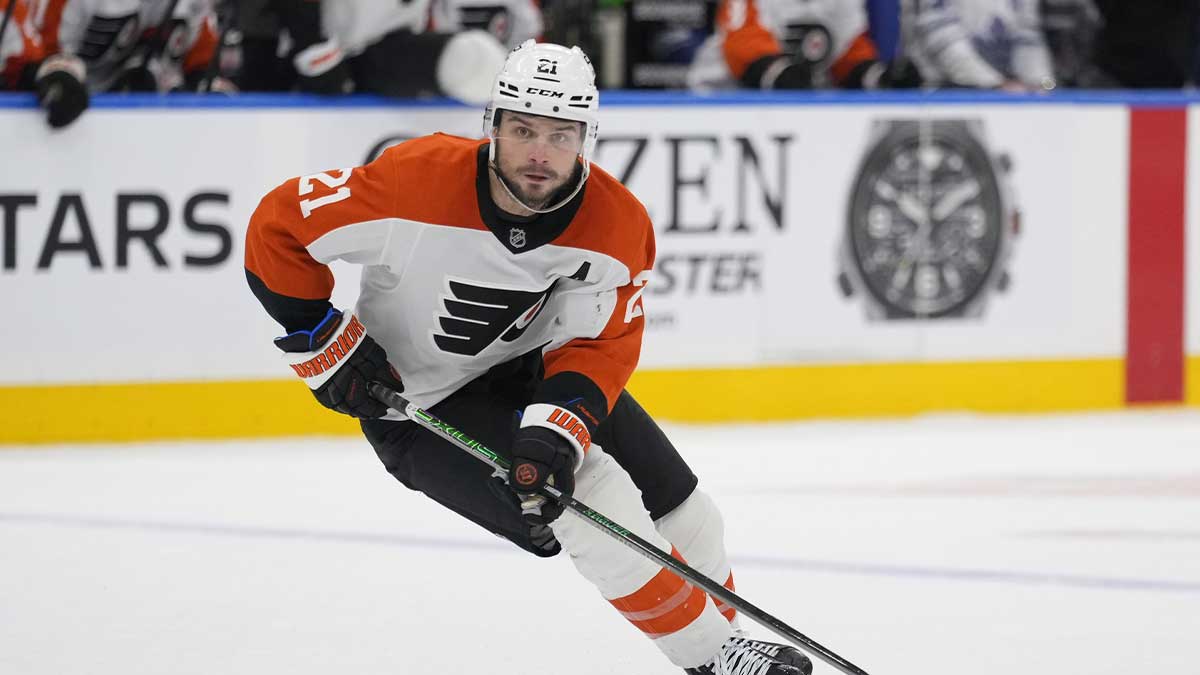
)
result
[(476, 316)]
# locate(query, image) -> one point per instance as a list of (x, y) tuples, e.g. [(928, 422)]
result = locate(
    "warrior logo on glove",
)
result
[(339, 349), (338, 361), (572, 426), (527, 474)]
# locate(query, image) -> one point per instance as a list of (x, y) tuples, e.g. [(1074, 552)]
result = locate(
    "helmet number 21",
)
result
[(307, 206)]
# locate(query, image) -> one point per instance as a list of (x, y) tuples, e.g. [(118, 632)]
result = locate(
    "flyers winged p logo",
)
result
[(476, 316)]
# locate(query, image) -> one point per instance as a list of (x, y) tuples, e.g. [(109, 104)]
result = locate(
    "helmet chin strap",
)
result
[(495, 169)]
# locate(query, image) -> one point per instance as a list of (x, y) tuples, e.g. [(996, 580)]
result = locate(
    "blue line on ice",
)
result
[(798, 564)]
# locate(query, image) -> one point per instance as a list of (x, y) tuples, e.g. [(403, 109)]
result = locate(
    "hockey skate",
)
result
[(743, 656), (785, 653)]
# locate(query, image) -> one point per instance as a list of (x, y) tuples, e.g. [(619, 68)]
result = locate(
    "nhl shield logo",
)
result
[(516, 237)]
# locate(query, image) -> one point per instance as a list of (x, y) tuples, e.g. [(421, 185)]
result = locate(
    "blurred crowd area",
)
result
[(66, 50)]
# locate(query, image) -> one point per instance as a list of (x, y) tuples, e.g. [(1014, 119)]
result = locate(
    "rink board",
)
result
[(122, 257), (266, 408), (1192, 259)]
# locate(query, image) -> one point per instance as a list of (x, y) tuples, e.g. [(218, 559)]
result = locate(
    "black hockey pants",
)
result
[(486, 409)]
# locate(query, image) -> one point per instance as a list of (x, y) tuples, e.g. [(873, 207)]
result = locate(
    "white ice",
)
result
[(933, 546)]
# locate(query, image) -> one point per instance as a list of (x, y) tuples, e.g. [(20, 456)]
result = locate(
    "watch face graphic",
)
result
[(927, 227)]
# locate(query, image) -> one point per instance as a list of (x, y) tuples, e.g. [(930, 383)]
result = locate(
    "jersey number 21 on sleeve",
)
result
[(307, 206), (633, 308)]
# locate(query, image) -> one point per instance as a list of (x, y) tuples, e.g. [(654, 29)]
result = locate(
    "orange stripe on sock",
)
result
[(664, 605), (725, 610)]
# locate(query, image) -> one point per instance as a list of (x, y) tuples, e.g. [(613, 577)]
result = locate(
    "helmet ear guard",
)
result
[(551, 81)]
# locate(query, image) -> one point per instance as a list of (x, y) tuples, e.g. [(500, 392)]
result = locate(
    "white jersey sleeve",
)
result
[(356, 24), (979, 43), (509, 21)]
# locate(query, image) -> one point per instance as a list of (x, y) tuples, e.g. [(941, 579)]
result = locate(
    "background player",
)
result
[(26, 65), (789, 44)]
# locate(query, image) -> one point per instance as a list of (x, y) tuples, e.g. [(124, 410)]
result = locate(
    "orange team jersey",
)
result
[(20, 45), (829, 33), (449, 291)]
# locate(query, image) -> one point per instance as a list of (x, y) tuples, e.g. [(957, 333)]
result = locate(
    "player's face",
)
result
[(537, 155)]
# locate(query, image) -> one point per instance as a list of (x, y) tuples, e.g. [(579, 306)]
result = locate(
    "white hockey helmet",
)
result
[(549, 80)]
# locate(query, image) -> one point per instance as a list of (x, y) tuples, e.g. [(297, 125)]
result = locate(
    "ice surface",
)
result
[(932, 546)]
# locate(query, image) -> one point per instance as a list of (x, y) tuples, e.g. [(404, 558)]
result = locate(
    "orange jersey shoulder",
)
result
[(420, 179), (435, 176), (612, 221), (301, 210)]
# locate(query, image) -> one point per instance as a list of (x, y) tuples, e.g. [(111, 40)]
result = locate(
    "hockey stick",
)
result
[(598, 520)]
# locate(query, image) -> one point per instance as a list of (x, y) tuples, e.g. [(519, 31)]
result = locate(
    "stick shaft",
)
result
[(616, 531)]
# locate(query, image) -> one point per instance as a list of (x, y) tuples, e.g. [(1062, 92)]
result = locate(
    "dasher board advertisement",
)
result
[(786, 233)]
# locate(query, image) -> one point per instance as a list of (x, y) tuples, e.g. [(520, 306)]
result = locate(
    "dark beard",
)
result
[(522, 196), (527, 199), (558, 194)]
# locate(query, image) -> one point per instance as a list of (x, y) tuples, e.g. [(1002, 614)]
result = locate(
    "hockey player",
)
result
[(789, 44), (982, 44), (133, 45), (58, 79), (339, 46), (501, 290)]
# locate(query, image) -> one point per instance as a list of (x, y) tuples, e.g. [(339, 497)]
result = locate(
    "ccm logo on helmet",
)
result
[(544, 92)]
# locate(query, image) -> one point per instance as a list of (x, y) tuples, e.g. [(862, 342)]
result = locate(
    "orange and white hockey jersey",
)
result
[(450, 290), (107, 35), (830, 34), (20, 45)]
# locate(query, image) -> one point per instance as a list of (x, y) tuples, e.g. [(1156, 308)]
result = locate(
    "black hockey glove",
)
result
[(61, 90), (779, 71), (869, 75), (338, 360), (547, 449)]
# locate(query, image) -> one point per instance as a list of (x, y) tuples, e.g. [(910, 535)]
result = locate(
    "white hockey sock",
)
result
[(697, 530), (681, 619)]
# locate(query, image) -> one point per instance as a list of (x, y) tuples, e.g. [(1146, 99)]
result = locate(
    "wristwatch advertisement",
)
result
[(930, 224)]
